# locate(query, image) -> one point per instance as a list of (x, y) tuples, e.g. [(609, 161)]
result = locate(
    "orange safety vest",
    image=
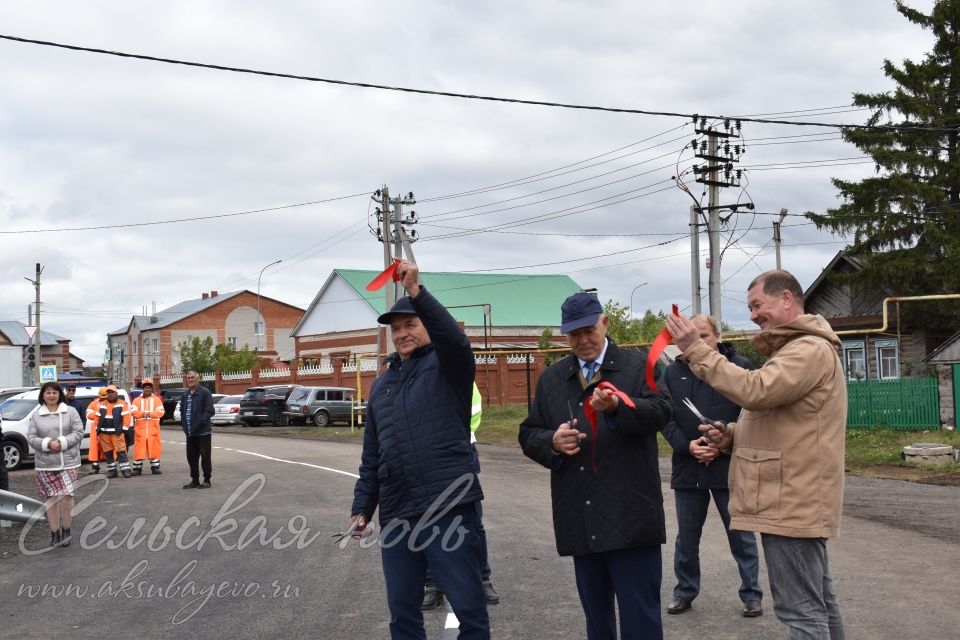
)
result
[(147, 413), (93, 410)]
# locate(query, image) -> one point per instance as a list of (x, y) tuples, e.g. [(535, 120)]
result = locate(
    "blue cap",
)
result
[(403, 306), (580, 310)]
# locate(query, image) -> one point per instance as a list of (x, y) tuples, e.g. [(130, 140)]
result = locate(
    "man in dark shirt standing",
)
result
[(699, 471), (196, 409), (604, 477), (417, 468)]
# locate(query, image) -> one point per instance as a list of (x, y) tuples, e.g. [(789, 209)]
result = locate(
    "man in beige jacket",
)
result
[(787, 447)]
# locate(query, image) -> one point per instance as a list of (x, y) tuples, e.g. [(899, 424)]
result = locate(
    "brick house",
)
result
[(54, 349), (150, 345), (497, 311)]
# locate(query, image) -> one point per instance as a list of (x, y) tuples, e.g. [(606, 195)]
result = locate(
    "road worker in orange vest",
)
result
[(95, 455), (147, 413), (113, 418)]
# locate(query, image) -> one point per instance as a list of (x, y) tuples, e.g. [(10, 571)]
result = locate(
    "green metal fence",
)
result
[(904, 405)]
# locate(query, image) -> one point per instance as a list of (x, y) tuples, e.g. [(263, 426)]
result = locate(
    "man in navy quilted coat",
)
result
[(605, 478), (417, 467)]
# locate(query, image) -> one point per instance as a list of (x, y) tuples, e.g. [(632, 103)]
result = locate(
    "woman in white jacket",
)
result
[(55, 433)]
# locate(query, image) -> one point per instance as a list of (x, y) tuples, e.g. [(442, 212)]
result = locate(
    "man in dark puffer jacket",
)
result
[(699, 470), (417, 466), (604, 481)]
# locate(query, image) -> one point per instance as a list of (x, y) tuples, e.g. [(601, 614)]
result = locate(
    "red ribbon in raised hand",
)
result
[(591, 414), (655, 350), (390, 273)]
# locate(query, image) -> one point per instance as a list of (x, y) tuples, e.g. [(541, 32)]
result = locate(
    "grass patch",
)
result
[(866, 448), (501, 424)]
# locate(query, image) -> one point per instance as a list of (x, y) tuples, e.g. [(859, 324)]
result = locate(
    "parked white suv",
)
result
[(16, 412)]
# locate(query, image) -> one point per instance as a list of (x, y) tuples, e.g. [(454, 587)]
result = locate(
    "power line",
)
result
[(466, 96), (528, 179), (177, 220)]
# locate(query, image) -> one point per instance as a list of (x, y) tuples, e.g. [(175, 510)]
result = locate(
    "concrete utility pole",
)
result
[(776, 233), (719, 172), (392, 232), (713, 229), (32, 371), (695, 259)]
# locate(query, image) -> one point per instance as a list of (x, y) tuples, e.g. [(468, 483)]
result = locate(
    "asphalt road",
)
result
[(252, 557)]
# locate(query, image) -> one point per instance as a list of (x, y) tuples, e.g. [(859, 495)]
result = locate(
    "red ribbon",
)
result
[(591, 414), (655, 350), (390, 273)]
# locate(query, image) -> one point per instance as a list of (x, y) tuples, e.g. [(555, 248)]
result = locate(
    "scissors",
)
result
[(704, 419), (353, 532)]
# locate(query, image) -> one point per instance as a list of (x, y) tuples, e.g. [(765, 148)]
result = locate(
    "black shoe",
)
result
[(137, 471), (111, 473), (155, 471), (206, 484), (192, 485), (94, 468), (126, 473), (490, 594), (432, 598), (679, 605), (752, 609), (64, 536), (55, 538)]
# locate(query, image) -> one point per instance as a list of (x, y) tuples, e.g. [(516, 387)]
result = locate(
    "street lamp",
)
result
[(631, 297), (255, 327)]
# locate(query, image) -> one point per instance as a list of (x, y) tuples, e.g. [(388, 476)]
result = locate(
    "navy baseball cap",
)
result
[(403, 306), (580, 310)]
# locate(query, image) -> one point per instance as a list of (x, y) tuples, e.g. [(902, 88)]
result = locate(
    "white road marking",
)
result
[(266, 457), (452, 622)]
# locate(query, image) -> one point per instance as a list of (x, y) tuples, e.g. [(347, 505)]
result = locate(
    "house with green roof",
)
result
[(498, 311)]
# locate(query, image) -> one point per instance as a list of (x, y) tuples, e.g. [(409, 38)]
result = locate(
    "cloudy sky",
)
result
[(110, 146)]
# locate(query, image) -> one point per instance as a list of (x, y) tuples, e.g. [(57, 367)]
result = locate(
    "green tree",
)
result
[(544, 343), (651, 325), (196, 354), (229, 359), (905, 219), (621, 328)]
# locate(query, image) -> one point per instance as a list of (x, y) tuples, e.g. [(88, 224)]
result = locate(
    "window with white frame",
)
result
[(888, 359), (854, 360), (134, 347), (232, 341), (258, 328), (156, 345)]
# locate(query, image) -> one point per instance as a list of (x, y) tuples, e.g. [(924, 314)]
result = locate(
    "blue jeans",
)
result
[(802, 589), (633, 577), (406, 553), (431, 582), (692, 507)]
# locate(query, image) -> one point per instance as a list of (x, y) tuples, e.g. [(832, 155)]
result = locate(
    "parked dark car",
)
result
[(265, 404), (170, 399), (321, 405)]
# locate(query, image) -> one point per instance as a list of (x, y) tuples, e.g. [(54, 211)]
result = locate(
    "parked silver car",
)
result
[(322, 405), (227, 411)]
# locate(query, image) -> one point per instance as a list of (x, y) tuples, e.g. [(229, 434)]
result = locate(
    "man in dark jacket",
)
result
[(699, 470), (196, 409), (605, 478), (417, 467)]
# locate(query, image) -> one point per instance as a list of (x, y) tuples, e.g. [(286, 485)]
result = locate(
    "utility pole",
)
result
[(721, 149), (776, 233), (695, 259), (31, 364), (392, 232)]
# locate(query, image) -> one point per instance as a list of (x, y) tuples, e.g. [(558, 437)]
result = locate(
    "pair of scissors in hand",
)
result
[(704, 419)]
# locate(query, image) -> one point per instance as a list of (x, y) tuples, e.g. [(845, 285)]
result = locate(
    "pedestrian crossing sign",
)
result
[(48, 373)]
